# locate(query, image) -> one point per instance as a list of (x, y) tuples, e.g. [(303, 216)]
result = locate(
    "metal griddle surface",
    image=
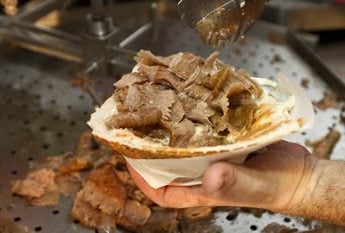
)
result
[(42, 115)]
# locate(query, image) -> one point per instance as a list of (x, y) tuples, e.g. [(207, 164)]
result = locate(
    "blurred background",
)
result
[(323, 19)]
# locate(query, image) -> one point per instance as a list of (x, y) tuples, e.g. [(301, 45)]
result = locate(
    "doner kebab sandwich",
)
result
[(173, 116)]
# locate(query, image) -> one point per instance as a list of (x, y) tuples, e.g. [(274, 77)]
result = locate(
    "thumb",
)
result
[(236, 185)]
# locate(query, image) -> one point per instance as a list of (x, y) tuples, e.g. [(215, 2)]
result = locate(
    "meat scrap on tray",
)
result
[(104, 194)]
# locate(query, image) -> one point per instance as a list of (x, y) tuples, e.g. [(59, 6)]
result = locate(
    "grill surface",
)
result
[(42, 114)]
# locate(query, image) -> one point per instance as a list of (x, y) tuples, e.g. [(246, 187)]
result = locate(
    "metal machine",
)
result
[(96, 47)]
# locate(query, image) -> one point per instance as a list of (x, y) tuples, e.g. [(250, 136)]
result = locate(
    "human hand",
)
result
[(269, 180)]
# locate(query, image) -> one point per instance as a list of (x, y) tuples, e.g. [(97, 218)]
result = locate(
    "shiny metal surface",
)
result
[(220, 21), (99, 27), (62, 44), (94, 46), (42, 114)]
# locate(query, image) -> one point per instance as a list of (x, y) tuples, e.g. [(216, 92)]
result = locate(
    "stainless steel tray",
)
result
[(42, 114)]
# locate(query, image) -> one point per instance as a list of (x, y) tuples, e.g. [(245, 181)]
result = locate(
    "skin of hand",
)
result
[(285, 178), (268, 180)]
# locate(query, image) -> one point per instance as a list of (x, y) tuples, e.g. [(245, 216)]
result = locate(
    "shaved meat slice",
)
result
[(132, 101), (83, 162), (69, 185), (230, 95), (218, 83), (162, 220), (76, 164), (177, 111), (102, 199), (132, 191), (134, 215), (130, 79), (121, 95), (211, 61), (56, 175), (219, 123), (323, 148), (232, 83), (104, 190), (124, 177), (69, 163), (235, 89), (89, 216), (144, 117), (103, 202), (221, 82), (85, 152), (51, 162), (198, 92), (249, 83), (153, 96), (116, 160), (139, 196), (185, 64), (241, 116), (147, 58), (48, 199), (36, 184), (161, 75), (180, 132), (330, 100), (211, 81), (198, 111), (221, 103), (154, 133), (194, 78), (39, 187)]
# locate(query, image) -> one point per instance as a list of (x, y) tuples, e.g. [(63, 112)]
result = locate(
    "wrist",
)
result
[(312, 171)]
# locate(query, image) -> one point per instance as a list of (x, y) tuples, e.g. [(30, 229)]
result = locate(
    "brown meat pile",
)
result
[(39, 187), (168, 97), (330, 100), (58, 174), (104, 194), (104, 202)]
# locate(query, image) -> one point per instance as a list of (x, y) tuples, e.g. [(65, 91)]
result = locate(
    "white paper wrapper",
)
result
[(188, 171), (183, 172)]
